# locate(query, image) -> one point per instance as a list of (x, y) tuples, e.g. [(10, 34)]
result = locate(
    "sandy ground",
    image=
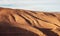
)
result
[(19, 22)]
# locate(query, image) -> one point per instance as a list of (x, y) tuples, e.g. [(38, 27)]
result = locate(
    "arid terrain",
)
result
[(19, 22)]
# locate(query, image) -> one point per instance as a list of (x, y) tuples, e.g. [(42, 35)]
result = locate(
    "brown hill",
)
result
[(18, 22)]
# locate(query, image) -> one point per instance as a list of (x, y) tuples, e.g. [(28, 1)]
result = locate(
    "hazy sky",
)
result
[(37, 5)]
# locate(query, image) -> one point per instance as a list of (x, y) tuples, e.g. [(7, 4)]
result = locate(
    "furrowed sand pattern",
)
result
[(19, 22)]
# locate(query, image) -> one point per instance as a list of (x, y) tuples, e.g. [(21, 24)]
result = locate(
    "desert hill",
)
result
[(19, 22)]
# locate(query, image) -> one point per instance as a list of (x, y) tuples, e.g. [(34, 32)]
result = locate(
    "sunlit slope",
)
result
[(33, 23)]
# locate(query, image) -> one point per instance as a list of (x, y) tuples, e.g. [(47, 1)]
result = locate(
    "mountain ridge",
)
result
[(33, 23)]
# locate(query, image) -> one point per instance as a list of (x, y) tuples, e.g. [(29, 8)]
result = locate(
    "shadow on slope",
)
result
[(8, 30), (47, 32)]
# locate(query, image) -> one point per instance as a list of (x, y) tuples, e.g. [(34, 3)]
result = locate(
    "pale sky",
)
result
[(36, 5)]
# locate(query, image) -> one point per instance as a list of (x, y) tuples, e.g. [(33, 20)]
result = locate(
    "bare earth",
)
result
[(19, 22)]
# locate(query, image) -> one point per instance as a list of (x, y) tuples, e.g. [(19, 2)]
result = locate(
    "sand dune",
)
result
[(19, 22)]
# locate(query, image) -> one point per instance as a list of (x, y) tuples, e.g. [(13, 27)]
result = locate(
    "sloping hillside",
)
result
[(19, 22)]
